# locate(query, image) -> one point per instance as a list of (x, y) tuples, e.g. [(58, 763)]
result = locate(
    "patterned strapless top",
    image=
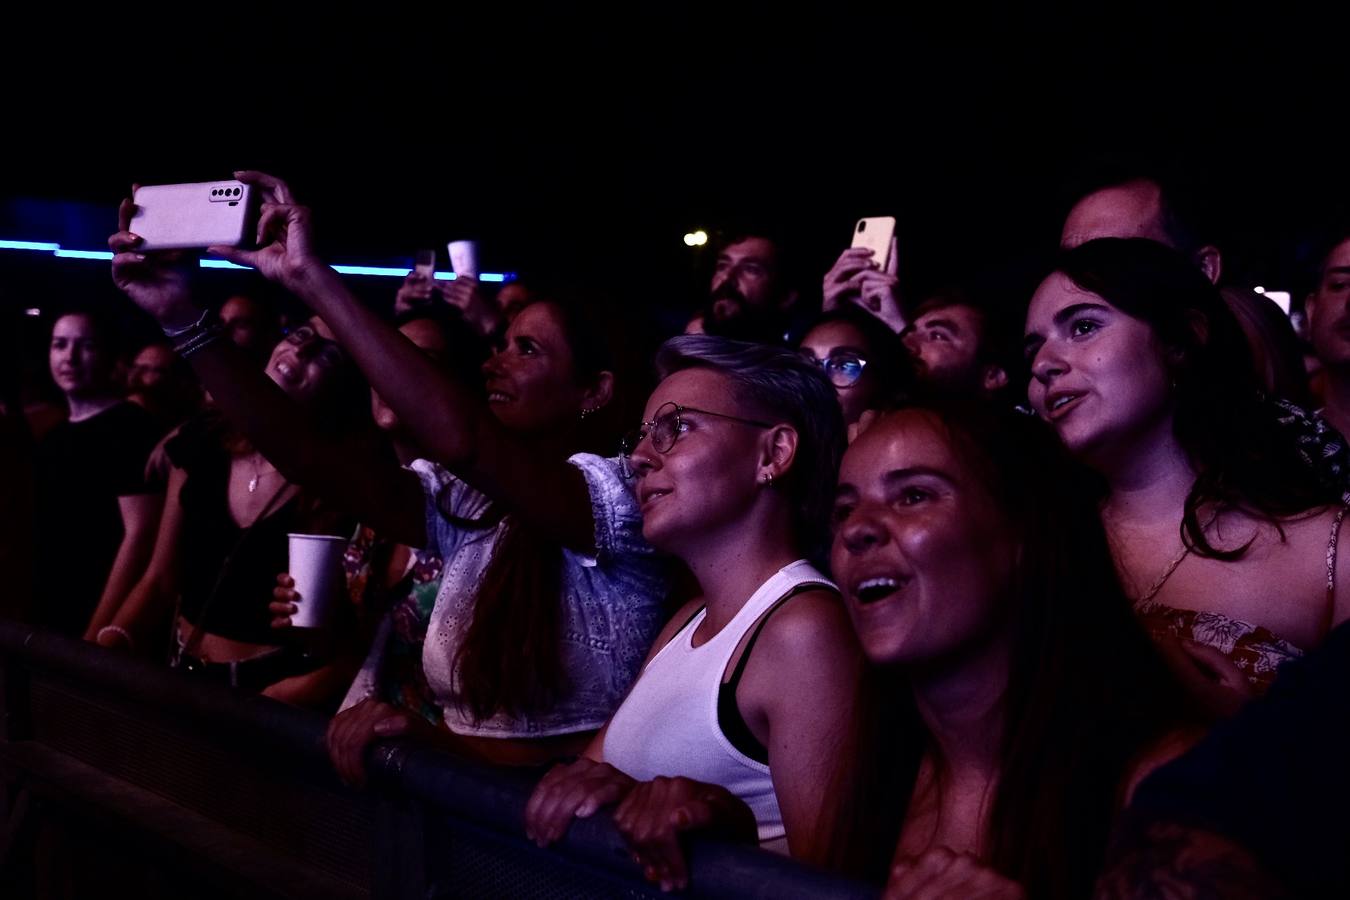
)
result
[(1254, 649)]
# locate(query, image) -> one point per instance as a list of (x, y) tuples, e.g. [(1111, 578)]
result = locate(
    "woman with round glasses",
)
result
[(736, 717), (862, 358), (549, 596)]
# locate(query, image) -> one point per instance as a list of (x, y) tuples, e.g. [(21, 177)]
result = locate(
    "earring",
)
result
[(586, 411), (768, 479)]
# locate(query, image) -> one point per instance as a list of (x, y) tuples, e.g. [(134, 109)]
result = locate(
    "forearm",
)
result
[(132, 557), (445, 417), (147, 606)]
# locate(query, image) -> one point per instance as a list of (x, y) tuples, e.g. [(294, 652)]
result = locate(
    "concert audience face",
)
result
[(1099, 375), (307, 362), (920, 551), (151, 369), (749, 293), (79, 357), (249, 324), (1328, 309), (851, 362), (948, 342), (532, 383)]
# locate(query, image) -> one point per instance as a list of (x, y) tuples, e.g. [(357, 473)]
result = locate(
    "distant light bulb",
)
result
[(32, 312), (1259, 289), (691, 240)]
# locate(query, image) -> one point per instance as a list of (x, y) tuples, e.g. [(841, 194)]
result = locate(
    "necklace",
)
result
[(258, 473), (1172, 566)]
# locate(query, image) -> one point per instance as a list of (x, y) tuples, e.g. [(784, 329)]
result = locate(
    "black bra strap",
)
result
[(764, 620)]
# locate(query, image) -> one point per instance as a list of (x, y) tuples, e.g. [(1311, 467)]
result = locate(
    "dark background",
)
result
[(585, 144)]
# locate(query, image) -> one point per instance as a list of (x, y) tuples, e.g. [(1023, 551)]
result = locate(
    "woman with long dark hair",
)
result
[(1012, 700), (1220, 534), (549, 596)]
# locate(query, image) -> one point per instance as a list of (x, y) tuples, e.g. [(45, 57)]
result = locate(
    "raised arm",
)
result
[(352, 475), (450, 422)]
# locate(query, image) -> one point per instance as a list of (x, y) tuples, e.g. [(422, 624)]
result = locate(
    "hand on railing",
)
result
[(655, 813), (356, 728), (572, 791)]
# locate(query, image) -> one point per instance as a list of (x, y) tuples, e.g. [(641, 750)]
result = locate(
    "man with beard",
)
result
[(752, 295), (959, 347)]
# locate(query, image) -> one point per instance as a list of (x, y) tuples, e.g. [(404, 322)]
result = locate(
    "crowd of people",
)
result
[(928, 590)]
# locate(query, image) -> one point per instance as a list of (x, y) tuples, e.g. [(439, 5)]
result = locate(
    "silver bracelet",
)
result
[(119, 631), (199, 340), (179, 332)]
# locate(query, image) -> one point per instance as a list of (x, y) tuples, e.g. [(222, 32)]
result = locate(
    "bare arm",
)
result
[(149, 602), (140, 520), (351, 475), (800, 682)]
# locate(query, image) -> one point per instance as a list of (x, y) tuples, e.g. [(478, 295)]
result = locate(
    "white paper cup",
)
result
[(463, 257), (316, 567)]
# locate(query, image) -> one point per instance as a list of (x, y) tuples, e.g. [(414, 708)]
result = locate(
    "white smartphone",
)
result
[(425, 264), (204, 214), (875, 234)]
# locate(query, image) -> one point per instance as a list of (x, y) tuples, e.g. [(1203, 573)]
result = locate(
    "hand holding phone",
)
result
[(876, 234), (425, 264)]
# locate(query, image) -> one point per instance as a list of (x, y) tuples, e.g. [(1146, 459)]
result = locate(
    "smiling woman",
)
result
[(548, 595), (1012, 700)]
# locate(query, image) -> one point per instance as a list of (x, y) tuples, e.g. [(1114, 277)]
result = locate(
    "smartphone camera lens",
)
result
[(862, 226), (215, 193), (236, 192)]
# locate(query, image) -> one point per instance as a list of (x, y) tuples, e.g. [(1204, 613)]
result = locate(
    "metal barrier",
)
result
[(234, 795)]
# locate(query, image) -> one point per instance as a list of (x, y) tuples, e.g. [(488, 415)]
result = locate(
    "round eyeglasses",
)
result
[(665, 427), (843, 369)]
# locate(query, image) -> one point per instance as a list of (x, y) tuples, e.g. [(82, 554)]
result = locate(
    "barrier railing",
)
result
[(237, 794)]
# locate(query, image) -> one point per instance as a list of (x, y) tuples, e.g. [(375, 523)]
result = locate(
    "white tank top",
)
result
[(668, 723)]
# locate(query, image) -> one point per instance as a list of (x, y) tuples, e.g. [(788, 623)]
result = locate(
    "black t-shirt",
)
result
[(80, 470)]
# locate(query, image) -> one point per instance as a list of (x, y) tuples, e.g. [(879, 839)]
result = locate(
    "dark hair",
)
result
[(1277, 352), (778, 384), (511, 658), (1222, 421), (1087, 692)]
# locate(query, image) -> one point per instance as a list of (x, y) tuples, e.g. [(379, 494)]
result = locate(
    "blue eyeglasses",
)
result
[(843, 369)]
